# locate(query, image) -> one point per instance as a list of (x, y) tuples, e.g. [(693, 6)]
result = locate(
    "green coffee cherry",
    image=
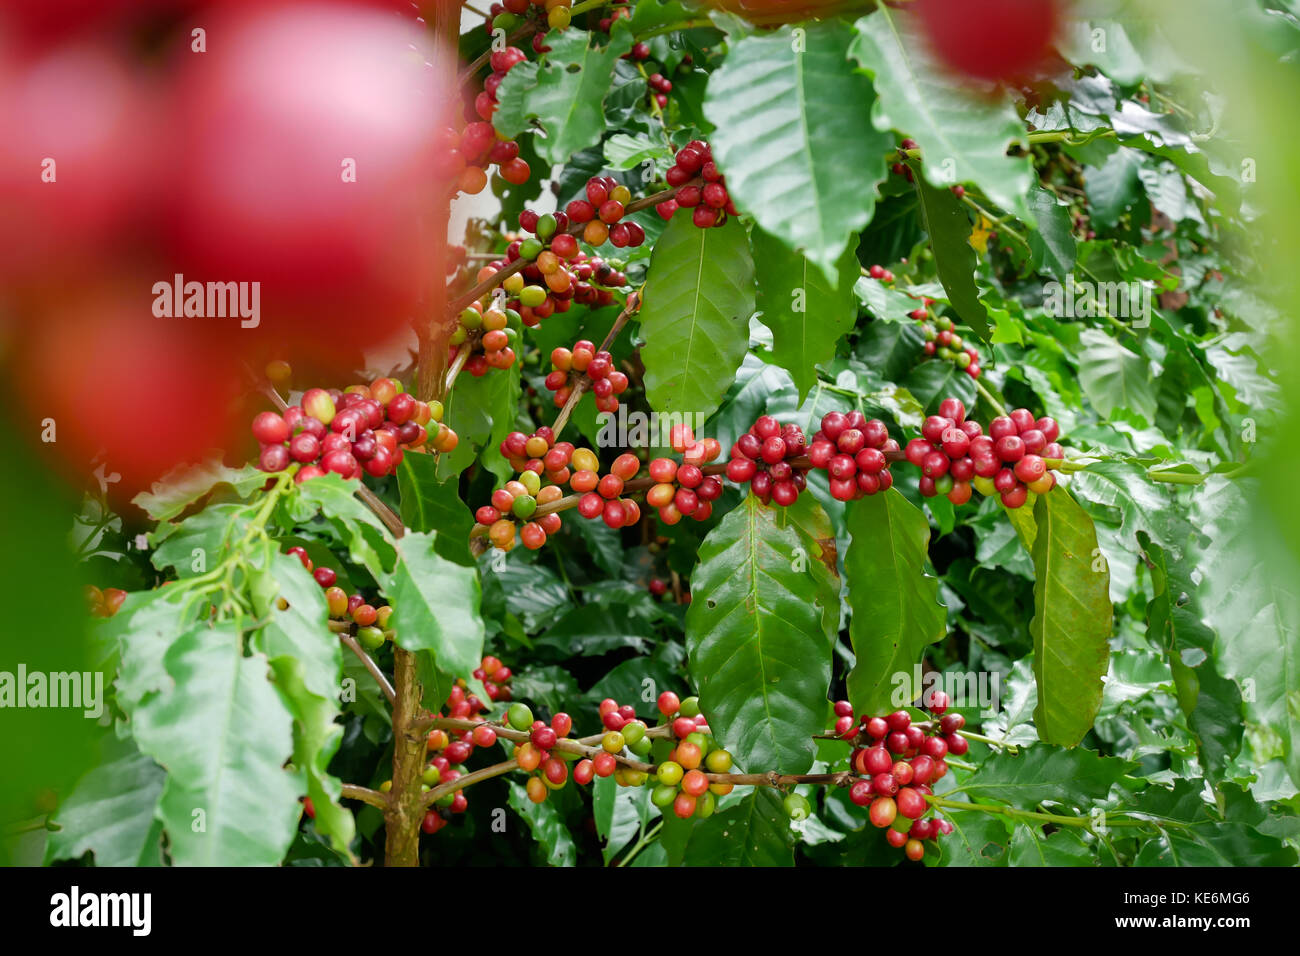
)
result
[(663, 795), (546, 226), (431, 776), (797, 806), (690, 707), (532, 481), (371, 638), (525, 505), (530, 249), (532, 296), (520, 717)]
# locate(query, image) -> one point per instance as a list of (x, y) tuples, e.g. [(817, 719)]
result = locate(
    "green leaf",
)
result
[(1113, 377), (794, 138), (754, 832), (1051, 245), (546, 826), (436, 606), (307, 660), (565, 93), (891, 348), (1211, 703), (1031, 847), (934, 380), (1075, 778), (949, 230), (977, 839), (807, 315), (963, 134), (620, 813), (183, 486), (895, 603), (1072, 619), (760, 656), (111, 811), (355, 525), (699, 296), (1250, 599), (224, 735), (1113, 187), (1141, 504), (428, 504)]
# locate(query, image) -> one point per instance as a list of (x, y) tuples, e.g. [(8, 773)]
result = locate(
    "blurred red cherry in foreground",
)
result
[(1002, 40), (306, 144), (139, 393)]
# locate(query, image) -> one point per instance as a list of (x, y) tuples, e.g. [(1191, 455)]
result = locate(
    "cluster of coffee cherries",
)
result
[(364, 429), (942, 341), (684, 490), (709, 200), (899, 762), (763, 455), (855, 453), (546, 14), (491, 329), (880, 273), (955, 456), (900, 168), (371, 622), (447, 751), (478, 146), (519, 499), (682, 780), (570, 365), (602, 494), (103, 603), (659, 86), (601, 214)]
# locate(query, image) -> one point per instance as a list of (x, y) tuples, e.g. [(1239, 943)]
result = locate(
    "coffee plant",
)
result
[(845, 433)]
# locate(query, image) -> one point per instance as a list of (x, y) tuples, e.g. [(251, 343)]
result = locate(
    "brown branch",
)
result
[(373, 797), (371, 666)]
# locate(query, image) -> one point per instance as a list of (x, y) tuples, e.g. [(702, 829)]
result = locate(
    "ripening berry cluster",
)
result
[(942, 341), (762, 457), (103, 603), (684, 491), (369, 434), (513, 167), (601, 214), (568, 367), (880, 273), (955, 456), (487, 328), (899, 761), (659, 86), (519, 499), (547, 14), (854, 453), (709, 200), (447, 756), (601, 494), (901, 168), (478, 147), (371, 621), (682, 780)]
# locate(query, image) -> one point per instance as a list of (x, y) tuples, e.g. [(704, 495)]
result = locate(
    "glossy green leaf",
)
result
[(1072, 619), (807, 314), (223, 735), (547, 827), (964, 135), (754, 832), (895, 603), (794, 138), (111, 811), (1113, 377), (429, 504), (1072, 778), (699, 296), (436, 606), (760, 656)]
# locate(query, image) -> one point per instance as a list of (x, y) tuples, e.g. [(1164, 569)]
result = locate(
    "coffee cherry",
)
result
[(684, 805), (604, 764), (882, 813)]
